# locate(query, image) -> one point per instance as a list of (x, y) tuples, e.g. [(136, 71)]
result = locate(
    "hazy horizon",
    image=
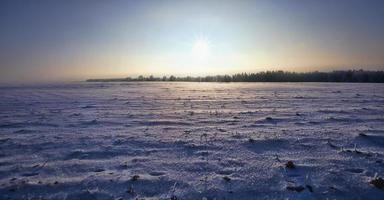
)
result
[(77, 40)]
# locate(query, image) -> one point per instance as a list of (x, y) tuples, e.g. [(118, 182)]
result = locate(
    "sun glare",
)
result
[(201, 48)]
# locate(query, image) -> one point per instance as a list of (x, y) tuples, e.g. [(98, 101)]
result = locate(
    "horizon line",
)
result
[(265, 76)]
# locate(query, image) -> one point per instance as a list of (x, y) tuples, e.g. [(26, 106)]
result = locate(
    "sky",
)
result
[(79, 39)]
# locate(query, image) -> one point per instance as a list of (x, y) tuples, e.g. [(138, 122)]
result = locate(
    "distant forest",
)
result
[(269, 76)]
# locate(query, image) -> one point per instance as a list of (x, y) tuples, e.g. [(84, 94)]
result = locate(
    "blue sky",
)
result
[(74, 40)]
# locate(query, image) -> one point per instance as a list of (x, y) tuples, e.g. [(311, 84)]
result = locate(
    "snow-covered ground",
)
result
[(191, 141)]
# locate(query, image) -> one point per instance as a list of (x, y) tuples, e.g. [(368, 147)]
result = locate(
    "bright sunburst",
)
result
[(201, 47)]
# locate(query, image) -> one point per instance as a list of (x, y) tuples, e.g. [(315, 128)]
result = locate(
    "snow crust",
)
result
[(191, 141)]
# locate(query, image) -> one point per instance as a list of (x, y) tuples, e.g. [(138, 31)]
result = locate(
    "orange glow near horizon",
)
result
[(54, 41)]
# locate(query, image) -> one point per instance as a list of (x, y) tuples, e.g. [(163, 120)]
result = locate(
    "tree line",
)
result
[(269, 76)]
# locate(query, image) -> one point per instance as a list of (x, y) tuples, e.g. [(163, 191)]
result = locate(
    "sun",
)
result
[(201, 48)]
